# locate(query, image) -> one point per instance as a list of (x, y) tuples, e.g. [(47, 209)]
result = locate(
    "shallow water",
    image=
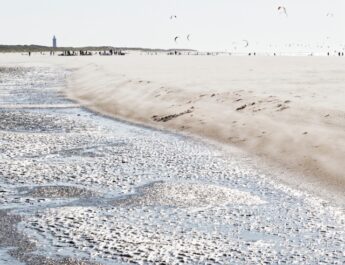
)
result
[(97, 189)]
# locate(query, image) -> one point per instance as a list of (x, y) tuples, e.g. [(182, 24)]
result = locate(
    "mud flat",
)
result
[(80, 188)]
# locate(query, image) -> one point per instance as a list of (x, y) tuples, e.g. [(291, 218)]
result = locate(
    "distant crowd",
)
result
[(121, 53), (85, 53), (90, 53)]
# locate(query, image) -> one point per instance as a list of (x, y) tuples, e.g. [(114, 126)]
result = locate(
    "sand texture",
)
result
[(80, 188), (287, 110)]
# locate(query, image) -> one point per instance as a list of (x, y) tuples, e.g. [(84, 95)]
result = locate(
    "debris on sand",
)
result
[(282, 107), (242, 107), (170, 117)]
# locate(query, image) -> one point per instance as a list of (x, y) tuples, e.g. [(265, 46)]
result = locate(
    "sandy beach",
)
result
[(172, 132), (288, 111), (77, 187)]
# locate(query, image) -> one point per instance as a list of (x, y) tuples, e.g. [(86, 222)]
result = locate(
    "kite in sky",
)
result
[(282, 9)]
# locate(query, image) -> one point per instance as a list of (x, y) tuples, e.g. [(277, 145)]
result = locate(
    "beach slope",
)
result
[(287, 110)]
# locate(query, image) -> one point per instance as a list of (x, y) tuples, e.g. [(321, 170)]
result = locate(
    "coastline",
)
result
[(73, 179), (292, 129), (286, 111)]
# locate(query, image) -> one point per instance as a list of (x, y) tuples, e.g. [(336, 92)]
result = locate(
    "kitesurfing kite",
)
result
[(246, 43), (188, 37), (176, 38), (282, 9)]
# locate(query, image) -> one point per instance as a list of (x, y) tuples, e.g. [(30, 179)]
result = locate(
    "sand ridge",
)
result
[(287, 110)]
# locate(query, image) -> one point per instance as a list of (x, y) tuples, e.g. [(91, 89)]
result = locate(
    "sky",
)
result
[(217, 25)]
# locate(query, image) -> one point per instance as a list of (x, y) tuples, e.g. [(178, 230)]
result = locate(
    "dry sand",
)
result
[(287, 110)]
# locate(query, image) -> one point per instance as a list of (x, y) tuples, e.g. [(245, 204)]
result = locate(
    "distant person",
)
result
[(328, 54), (29, 53)]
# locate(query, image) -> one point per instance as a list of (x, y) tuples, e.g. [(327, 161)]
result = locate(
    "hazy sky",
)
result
[(213, 24)]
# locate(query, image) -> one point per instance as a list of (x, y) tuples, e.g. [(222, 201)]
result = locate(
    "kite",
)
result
[(188, 37), (246, 43), (176, 38), (282, 9)]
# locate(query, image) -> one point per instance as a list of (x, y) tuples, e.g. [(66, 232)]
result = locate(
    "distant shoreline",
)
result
[(39, 48)]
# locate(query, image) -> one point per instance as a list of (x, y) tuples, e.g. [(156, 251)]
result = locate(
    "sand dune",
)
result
[(289, 110)]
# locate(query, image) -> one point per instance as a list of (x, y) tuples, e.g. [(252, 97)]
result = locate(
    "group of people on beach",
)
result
[(339, 54), (74, 53), (121, 53), (111, 52), (90, 53), (85, 53)]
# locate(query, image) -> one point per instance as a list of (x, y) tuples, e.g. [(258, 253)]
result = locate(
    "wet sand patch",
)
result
[(59, 192), (187, 195), (24, 121), (22, 248)]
